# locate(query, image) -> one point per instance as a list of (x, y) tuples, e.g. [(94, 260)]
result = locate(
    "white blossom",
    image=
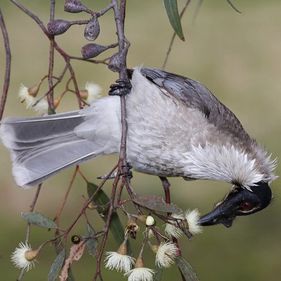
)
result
[(94, 92), (23, 256), (140, 274), (119, 262), (166, 254), (172, 229), (192, 218), (41, 106), (26, 97)]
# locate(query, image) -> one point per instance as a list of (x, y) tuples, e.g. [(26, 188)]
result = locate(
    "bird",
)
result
[(176, 128)]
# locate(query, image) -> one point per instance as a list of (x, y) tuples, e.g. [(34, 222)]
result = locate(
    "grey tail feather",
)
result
[(42, 146)]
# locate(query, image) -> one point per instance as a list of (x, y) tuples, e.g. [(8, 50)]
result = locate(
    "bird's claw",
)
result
[(120, 88), (126, 170)]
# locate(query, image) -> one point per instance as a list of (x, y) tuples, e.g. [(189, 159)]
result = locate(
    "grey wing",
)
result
[(194, 94)]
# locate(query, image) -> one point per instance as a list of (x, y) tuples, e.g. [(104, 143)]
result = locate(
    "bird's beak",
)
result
[(239, 202), (224, 213)]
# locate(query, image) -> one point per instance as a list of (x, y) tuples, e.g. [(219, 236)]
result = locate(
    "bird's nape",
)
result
[(239, 202)]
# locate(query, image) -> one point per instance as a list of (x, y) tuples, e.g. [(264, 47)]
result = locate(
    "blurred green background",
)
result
[(238, 56)]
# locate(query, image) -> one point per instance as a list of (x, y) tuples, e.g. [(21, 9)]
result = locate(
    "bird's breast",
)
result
[(161, 130)]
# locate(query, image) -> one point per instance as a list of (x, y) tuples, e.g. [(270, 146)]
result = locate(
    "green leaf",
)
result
[(38, 219), (186, 269), (158, 274), (102, 201), (56, 266), (156, 203), (117, 229), (91, 242), (171, 7)]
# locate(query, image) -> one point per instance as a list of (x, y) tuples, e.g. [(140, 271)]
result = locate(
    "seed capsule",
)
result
[(92, 50), (114, 63), (75, 239), (92, 29), (57, 27), (74, 6)]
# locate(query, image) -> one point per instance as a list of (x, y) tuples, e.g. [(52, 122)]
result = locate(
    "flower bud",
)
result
[(92, 50), (122, 250), (154, 248), (92, 29), (91, 206), (31, 254), (59, 26), (57, 102), (74, 6), (132, 228), (150, 221), (83, 94), (33, 90), (139, 262)]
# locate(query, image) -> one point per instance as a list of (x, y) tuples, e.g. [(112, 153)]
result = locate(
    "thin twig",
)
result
[(106, 229), (105, 10), (59, 79), (59, 212), (31, 209), (8, 65), (50, 96), (174, 36)]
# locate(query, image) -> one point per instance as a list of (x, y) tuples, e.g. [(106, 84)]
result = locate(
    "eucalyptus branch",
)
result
[(59, 211), (50, 96), (6, 82)]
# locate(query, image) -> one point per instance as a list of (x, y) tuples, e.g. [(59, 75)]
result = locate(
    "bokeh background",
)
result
[(238, 56)]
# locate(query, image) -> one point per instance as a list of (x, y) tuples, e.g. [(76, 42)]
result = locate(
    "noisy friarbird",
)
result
[(176, 128)]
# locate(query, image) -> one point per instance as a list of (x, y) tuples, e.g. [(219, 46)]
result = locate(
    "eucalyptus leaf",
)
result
[(158, 274), (156, 203), (186, 269), (56, 266), (102, 201), (38, 219), (171, 7), (91, 242)]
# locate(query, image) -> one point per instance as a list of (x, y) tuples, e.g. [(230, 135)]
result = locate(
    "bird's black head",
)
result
[(239, 202)]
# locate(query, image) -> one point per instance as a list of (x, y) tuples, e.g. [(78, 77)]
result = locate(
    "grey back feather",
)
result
[(194, 94)]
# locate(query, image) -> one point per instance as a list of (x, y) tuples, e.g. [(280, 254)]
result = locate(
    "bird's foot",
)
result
[(120, 88), (127, 170)]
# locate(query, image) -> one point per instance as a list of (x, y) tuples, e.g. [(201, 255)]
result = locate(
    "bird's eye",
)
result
[(246, 206)]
